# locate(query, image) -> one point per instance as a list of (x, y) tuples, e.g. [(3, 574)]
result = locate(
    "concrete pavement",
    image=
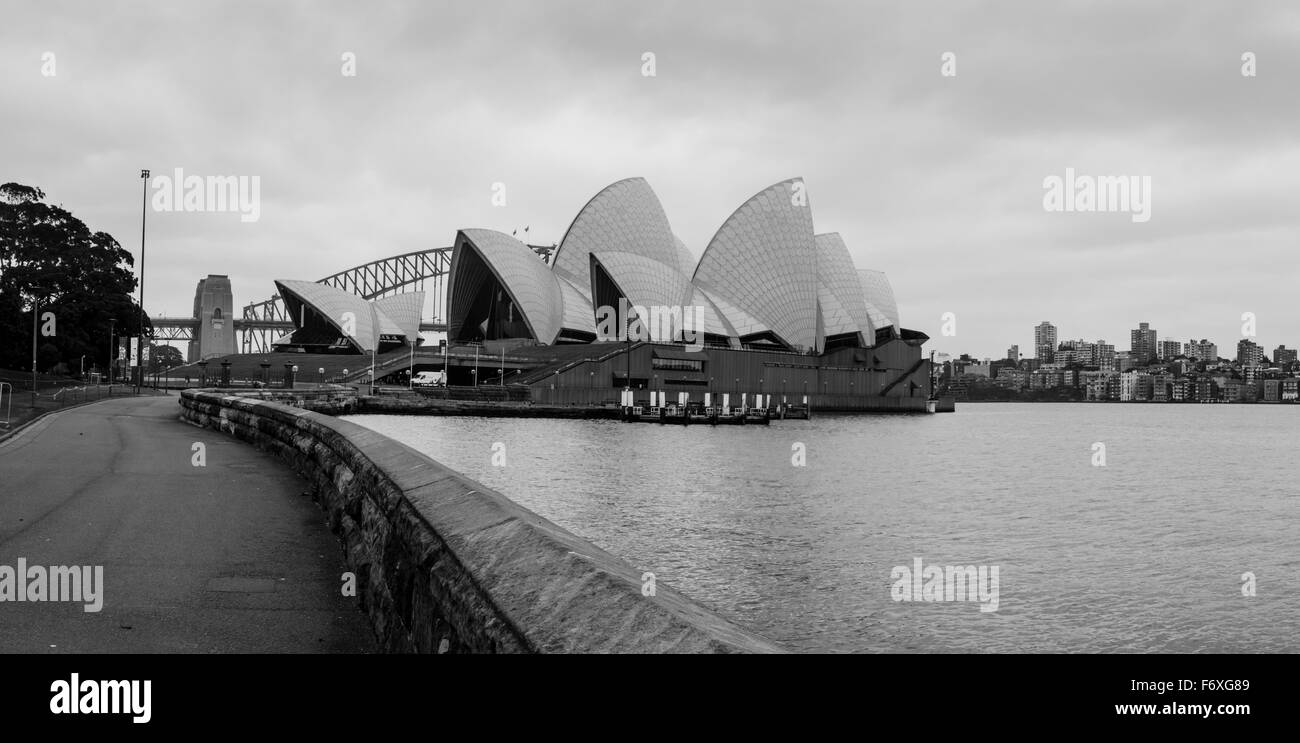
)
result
[(225, 558)]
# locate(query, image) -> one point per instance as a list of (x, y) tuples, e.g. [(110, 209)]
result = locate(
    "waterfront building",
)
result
[(1178, 390), (1272, 390), (1104, 356), (1128, 385), (1202, 350), (1124, 361), (1249, 353), (1290, 391), (1283, 355), (771, 307), (1143, 344), (1012, 378), (1045, 341)]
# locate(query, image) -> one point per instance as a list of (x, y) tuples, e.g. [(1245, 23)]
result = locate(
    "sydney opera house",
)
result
[(771, 307)]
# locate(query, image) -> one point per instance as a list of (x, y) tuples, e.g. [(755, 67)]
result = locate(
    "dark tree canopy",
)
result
[(164, 356), (85, 278)]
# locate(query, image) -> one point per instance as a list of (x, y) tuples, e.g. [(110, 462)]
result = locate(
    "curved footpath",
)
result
[(227, 558), (445, 564)]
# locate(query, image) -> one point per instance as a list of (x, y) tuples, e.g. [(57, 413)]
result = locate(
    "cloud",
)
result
[(936, 180)]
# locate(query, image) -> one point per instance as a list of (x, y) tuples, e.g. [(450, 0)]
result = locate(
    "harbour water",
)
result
[(1144, 554)]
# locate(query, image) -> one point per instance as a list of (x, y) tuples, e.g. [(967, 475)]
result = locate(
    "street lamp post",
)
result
[(139, 341), (36, 314), (111, 349)]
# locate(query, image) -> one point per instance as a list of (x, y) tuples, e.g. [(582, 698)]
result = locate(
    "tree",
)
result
[(165, 356), (51, 258), (47, 356)]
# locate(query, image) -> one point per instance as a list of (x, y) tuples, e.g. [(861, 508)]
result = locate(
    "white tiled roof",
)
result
[(880, 294), (334, 304), (625, 216), (530, 283), (763, 259)]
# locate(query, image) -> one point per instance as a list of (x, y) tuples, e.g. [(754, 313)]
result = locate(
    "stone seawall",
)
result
[(444, 564)]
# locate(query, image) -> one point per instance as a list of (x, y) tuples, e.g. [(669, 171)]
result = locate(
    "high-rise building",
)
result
[(1076, 352), (1202, 350), (1168, 350), (1104, 356), (1143, 346), (1045, 341), (1249, 352), (1013, 353), (1283, 355)]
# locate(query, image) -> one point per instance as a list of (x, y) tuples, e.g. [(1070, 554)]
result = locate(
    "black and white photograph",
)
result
[(944, 330)]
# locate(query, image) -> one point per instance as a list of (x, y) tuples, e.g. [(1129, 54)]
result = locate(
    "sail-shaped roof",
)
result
[(763, 260), (484, 258), (626, 217)]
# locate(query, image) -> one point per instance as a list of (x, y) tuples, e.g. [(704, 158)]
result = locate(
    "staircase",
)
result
[(905, 375)]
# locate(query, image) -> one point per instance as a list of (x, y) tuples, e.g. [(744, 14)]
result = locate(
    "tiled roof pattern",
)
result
[(535, 290), (763, 259), (880, 294), (625, 216), (333, 303)]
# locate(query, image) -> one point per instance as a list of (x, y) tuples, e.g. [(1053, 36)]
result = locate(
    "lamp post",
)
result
[(36, 314), (111, 356), (139, 342)]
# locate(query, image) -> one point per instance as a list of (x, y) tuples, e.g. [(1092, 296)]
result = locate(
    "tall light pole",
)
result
[(139, 341), (36, 314), (112, 357)]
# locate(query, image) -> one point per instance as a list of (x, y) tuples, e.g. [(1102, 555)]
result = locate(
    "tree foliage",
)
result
[(85, 278), (164, 356)]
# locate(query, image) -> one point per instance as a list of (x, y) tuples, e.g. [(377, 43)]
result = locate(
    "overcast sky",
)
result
[(936, 180)]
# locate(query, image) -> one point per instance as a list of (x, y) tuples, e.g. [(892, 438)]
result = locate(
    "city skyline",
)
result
[(946, 345)]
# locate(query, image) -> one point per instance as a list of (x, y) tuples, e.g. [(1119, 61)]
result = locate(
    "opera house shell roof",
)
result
[(350, 317), (765, 280)]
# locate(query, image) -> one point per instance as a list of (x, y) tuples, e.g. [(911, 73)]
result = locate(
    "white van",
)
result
[(429, 379)]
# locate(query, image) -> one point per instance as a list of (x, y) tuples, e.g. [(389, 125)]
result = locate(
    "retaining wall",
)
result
[(444, 564)]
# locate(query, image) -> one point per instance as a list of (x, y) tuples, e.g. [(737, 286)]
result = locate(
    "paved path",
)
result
[(225, 558)]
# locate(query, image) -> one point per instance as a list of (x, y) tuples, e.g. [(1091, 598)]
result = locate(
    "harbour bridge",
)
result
[(261, 323)]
